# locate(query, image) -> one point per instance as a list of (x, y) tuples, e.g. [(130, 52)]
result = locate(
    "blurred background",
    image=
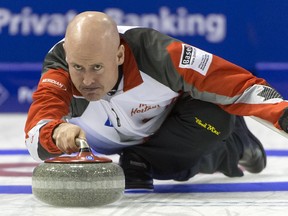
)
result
[(252, 34)]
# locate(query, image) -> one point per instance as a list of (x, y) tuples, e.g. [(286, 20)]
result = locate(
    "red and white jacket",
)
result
[(157, 69)]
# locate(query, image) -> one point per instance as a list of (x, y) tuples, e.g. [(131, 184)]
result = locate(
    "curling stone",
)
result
[(78, 181)]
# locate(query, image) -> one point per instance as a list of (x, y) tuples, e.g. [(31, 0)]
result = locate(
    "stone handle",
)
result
[(82, 143)]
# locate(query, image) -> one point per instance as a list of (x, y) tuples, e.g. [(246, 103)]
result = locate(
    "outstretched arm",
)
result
[(47, 133)]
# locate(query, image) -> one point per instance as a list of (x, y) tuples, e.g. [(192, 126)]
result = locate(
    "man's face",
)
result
[(94, 69)]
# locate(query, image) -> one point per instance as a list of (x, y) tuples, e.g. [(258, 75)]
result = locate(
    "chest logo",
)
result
[(142, 108)]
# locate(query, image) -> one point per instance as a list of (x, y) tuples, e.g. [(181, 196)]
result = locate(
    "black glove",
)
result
[(283, 120)]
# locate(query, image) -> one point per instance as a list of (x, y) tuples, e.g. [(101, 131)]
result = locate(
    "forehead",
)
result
[(83, 51), (91, 55)]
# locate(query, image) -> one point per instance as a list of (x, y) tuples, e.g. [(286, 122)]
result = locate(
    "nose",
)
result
[(88, 78)]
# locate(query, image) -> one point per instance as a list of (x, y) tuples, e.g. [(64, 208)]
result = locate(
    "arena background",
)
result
[(252, 34)]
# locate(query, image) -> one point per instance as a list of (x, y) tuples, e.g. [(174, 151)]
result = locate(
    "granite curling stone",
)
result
[(84, 180)]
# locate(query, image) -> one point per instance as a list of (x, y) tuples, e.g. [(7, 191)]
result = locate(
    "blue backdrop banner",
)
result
[(251, 34)]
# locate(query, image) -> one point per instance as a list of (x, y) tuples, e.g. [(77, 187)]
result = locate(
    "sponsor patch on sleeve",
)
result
[(195, 59), (55, 83)]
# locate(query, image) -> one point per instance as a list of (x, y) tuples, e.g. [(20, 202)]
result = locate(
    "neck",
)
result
[(114, 89)]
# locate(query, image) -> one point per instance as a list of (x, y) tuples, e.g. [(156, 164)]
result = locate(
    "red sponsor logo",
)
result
[(142, 108)]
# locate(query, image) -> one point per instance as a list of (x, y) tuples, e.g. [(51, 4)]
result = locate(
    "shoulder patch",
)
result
[(196, 59)]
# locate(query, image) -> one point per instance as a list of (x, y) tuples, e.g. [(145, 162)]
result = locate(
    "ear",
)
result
[(120, 54)]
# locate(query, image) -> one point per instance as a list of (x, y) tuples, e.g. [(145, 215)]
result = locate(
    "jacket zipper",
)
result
[(117, 118)]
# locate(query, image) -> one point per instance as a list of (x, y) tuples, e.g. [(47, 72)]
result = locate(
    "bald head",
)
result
[(93, 54), (90, 28)]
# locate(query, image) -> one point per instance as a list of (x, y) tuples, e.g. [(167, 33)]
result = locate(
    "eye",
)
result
[(77, 67), (97, 67)]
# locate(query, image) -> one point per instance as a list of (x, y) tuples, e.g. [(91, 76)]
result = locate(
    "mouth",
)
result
[(92, 93), (90, 89)]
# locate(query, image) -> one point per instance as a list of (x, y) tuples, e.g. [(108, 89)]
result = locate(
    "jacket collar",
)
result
[(131, 73)]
